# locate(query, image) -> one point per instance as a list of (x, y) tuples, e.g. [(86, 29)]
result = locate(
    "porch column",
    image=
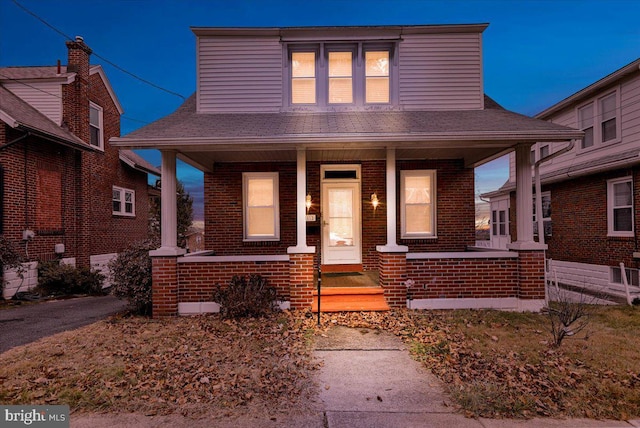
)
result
[(531, 282), (524, 201), (301, 208), (164, 284), (391, 246), (392, 260)]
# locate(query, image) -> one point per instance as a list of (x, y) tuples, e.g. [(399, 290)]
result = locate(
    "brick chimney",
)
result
[(75, 100)]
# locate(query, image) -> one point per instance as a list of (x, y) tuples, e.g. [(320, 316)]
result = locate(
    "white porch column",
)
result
[(392, 221), (524, 201), (301, 208), (169, 207)]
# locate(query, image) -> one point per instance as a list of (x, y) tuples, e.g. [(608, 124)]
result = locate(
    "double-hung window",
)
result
[(95, 126), (599, 119), (124, 202), (303, 78), (418, 203), (620, 207), (546, 214), (334, 75), (261, 206)]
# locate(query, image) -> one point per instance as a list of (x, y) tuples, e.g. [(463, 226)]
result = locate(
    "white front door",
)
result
[(500, 223), (341, 223)]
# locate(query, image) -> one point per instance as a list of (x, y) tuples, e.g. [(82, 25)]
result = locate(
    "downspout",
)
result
[(538, 184)]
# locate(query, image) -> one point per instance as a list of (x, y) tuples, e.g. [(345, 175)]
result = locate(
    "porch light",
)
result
[(308, 202), (374, 201)]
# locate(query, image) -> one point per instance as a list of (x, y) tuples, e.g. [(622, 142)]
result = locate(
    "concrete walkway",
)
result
[(369, 380)]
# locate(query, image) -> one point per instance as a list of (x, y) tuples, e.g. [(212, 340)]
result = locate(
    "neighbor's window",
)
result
[(546, 214), (620, 207), (95, 126), (585, 120), (261, 211), (124, 201), (418, 203), (303, 78), (608, 126), (499, 223), (633, 278), (340, 77), (377, 76)]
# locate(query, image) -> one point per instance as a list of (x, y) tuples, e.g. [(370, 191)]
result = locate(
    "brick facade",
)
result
[(65, 195), (579, 221)]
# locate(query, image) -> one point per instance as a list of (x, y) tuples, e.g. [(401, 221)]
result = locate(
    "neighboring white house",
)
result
[(591, 191)]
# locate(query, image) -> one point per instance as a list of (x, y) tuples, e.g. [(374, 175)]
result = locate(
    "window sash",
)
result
[(123, 201), (95, 126), (620, 207), (303, 77), (261, 210), (418, 203)]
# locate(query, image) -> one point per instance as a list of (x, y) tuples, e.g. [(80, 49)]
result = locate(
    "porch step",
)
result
[(349, 299)]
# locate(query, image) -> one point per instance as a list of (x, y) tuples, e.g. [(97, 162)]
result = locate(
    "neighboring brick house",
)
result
[(590, 193), (351, 148), (66, 192)]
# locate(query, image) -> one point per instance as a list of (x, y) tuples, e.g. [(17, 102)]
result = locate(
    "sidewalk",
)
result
[(369, 380)]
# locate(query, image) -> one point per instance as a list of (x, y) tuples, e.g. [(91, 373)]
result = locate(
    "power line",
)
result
[(135, 76), (59, 97)]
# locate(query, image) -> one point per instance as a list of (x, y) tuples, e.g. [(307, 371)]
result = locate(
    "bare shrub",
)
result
[(246, 297)]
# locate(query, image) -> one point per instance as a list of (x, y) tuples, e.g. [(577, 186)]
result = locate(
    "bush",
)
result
[(10, 258), (243, 297), (59, 279), (131, 275)]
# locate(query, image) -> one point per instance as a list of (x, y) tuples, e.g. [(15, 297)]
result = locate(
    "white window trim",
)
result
[(276, 206), (597, 121), (100, 110), (123, 192), (610, 207), (434, 199), (358, 49), (535, 215)]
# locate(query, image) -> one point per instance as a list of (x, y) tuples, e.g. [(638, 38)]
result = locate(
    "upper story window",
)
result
[(600, 120), (124, 201), (303, 78), (96, 126), (351, 74)]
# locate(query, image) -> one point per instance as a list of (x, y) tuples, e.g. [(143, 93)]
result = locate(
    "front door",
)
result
[(341, 222)]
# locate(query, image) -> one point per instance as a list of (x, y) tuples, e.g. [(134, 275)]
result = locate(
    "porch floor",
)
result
[(350, 292)]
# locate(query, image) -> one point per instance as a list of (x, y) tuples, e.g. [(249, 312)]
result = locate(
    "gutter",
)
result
[(536, 173)]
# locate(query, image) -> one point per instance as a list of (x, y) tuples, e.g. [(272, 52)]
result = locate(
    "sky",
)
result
[(535, 53)]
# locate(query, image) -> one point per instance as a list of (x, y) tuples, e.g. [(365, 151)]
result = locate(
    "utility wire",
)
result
[(143, 80), (59, 97)]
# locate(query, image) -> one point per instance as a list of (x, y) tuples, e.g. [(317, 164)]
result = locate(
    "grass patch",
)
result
[(193, 366)]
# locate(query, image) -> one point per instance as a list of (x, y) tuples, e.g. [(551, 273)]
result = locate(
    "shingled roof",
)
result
[(491, 123), (19, 114)]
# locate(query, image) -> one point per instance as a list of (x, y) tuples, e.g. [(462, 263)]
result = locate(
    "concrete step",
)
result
[(350, 299)]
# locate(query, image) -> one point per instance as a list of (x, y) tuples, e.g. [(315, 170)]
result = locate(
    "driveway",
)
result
[(26, 324)]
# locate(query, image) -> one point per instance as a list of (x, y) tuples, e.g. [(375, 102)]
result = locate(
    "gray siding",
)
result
[(441, 71), (46, 97), (239, 74)]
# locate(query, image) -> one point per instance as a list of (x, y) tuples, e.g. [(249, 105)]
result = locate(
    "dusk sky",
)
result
[(535, 52)]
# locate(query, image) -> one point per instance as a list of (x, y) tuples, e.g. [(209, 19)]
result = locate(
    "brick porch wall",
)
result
[(393, 274), (531, 274), (463, 278), (198, 280), (164, 286), (301, 280)]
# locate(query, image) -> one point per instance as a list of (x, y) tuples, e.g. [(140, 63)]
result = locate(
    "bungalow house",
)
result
[(66, 193), (589, 198), (346, 149)]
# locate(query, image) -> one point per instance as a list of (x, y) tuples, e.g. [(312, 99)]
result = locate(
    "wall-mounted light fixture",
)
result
[(308, 202), (374, 201)]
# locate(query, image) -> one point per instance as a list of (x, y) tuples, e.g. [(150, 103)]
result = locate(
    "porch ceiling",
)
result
[(205, 160)]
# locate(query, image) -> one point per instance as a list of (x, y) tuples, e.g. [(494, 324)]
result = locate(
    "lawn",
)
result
[(494, 364)]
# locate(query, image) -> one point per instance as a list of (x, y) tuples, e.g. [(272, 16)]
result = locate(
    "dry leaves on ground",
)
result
[(191, 365)]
